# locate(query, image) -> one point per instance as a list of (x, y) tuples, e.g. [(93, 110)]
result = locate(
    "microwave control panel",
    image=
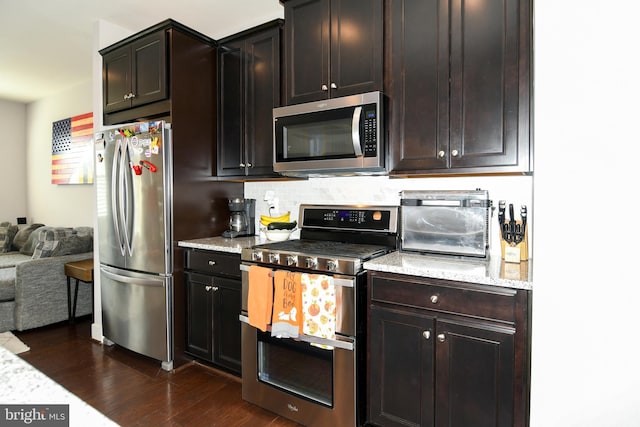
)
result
[(370, 131)]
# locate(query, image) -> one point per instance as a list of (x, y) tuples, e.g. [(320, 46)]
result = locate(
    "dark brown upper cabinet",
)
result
[(333, 48), (249, 88), (137, 78), (135, 74), (459, 86)]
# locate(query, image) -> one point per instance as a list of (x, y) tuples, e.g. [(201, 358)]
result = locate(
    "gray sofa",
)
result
[(33, 286)]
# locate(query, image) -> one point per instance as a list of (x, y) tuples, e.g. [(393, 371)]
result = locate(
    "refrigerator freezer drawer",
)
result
[(136, 312)]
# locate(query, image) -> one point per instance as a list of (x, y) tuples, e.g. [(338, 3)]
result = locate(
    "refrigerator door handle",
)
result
[(133, 280), (128, 211), (116, 199)]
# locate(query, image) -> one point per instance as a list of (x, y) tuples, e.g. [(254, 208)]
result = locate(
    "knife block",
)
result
[(511, 250)]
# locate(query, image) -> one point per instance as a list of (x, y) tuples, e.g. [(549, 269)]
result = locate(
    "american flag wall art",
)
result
[(72, 150)]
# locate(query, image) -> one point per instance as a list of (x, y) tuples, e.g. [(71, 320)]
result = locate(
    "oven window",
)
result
[(296, 367)]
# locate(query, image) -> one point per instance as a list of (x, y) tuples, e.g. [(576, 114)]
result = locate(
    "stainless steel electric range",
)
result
[(309, 379)]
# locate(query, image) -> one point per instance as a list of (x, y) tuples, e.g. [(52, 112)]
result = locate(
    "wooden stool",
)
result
[(82, 271)]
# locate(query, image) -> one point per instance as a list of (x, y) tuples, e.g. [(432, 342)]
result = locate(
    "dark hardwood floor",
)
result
[(133, 390)]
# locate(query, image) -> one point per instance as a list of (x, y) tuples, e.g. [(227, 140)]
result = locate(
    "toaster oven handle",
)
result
[(355, 131)]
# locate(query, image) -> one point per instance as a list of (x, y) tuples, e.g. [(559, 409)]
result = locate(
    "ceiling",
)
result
[(46, 45)]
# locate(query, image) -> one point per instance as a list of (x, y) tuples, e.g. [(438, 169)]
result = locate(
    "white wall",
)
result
[(586, 295), (51, 204), (13, 167)]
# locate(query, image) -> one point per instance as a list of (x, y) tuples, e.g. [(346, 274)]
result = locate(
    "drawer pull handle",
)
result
[(212, 262), (441, 337), (426, 334), (434, 299)]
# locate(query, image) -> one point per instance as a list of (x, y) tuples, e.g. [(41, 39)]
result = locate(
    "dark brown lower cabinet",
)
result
[(213, 306), (433, 364)]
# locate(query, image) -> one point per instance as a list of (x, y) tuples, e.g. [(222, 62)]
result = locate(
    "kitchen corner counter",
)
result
[(491, 272), (24, 385), (223, 244)]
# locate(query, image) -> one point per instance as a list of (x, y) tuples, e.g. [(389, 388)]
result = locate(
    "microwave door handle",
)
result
[(355, 131)]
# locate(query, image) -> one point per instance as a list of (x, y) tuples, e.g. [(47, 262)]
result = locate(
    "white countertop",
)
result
[(223, 244), (486, 272), (22, 384)]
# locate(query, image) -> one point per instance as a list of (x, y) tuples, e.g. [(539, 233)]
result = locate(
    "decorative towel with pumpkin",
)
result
[(319, 306), (287, 305)]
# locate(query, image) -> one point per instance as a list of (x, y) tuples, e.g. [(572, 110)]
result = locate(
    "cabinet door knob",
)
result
[(333, 86), (208, 288), (215, 288), (441, 337), (242, 165), (441, 154), (426, 334), (212, 262), (454, 153), (249, 165), (434, 299), (325, 88)]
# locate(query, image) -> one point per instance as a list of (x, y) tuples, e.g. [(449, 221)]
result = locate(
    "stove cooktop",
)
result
[(336, 239)]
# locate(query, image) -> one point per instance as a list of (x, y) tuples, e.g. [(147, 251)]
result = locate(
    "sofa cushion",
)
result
[(74, 244), (32, 241), (7, 284), (48, 240), (11, 259), (22, 235), (7, 232)]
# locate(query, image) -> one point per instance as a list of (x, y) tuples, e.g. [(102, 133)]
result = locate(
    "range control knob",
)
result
[(274, 258), (332, 265), (311, 262), (256, 256), (292, 260)]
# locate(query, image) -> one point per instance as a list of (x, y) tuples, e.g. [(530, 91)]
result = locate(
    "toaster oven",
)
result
[(454, 222)]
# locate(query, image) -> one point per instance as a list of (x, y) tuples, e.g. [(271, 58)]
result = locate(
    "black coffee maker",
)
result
[(242, 218)]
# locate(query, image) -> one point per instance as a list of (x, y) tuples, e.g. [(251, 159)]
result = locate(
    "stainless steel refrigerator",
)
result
[(134, 211)]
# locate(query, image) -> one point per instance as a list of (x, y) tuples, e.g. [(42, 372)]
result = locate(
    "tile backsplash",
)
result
[(382, 190)]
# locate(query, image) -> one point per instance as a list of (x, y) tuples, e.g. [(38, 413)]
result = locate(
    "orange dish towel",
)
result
[(319, 306), (260, 298), (287, 305)]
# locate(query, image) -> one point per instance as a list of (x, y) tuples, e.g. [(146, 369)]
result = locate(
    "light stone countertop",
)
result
[(24, 385), (485, 272), (223, 244)]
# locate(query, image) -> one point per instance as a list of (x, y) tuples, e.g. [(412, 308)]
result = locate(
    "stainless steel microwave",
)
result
[(339, 136)]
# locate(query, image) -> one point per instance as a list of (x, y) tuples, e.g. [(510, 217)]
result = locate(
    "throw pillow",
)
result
[(32, 241), (6, 237), (74, 244), (48, 240), (22, 235)]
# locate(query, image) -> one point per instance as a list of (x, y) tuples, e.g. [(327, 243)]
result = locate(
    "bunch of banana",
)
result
[(266, 220)]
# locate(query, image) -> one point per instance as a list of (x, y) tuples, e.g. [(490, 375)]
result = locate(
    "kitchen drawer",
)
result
[(211, 262), (488, 302)]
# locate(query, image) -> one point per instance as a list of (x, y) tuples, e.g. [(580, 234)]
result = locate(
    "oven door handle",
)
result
[(337, 281), (344, 343)]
